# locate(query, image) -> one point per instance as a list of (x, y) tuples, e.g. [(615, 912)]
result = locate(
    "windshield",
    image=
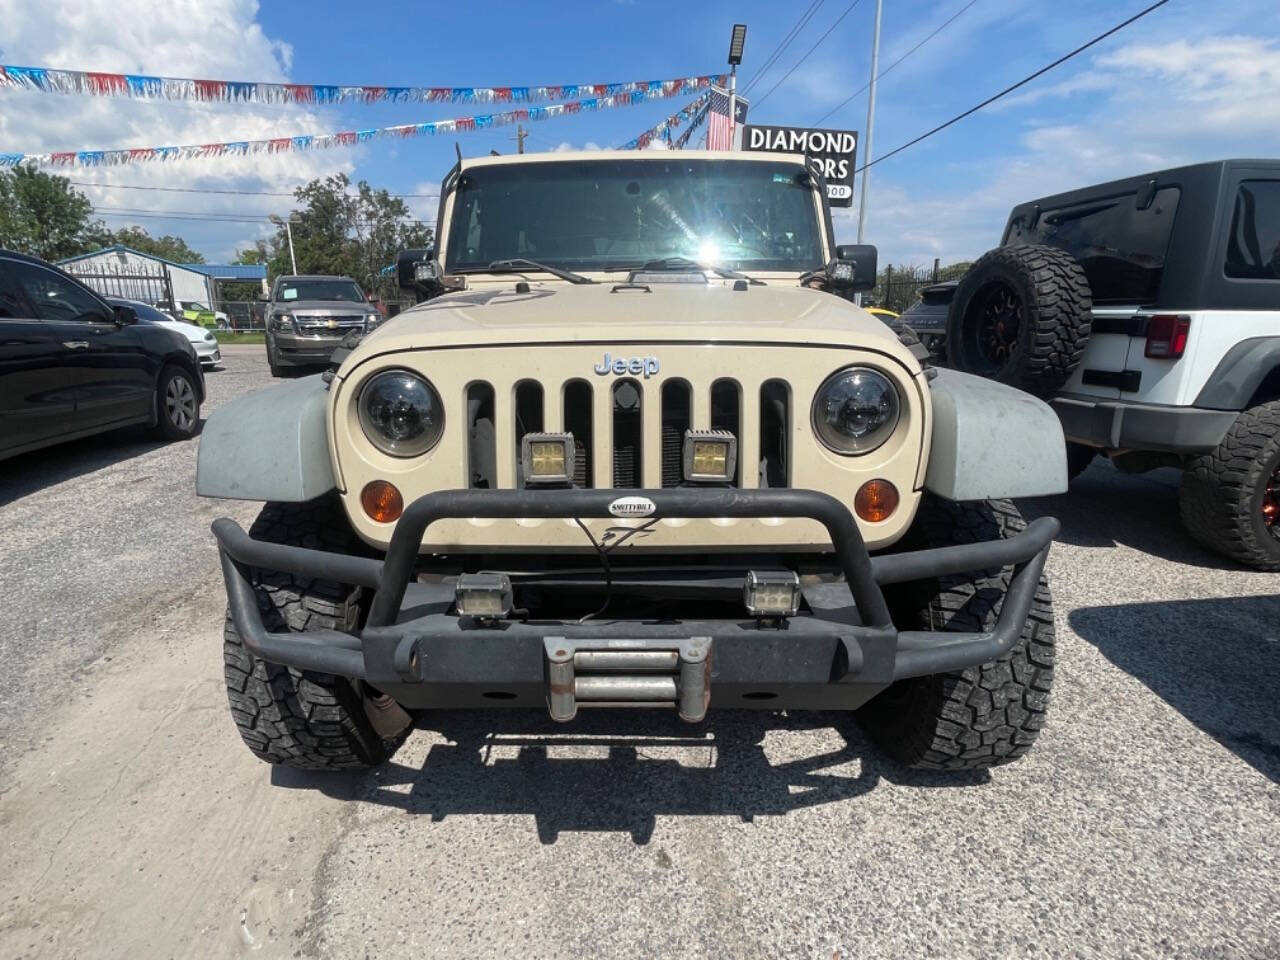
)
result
[(193, 305), (596, 214), (344, 291)]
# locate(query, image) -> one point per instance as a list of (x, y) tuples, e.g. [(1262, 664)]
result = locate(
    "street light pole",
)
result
[(279, 222), (871, 121), (737, 43)]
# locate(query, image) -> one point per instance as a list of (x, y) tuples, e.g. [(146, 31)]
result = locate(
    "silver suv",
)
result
[(308, 316)]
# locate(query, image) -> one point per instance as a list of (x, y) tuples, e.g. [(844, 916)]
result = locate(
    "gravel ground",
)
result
[(134, 823)]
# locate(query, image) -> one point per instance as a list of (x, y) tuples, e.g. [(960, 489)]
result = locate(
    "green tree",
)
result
[(43, 215), (353, 233), (168, 247)]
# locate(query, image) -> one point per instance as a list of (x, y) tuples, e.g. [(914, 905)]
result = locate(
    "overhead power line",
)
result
[(847, 11), (238, 193), (214, 217), (1021, 83), (785, 42), (843, 103)]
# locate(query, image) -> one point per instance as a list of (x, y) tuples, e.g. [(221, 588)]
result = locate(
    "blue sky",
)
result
[(1195, 80)]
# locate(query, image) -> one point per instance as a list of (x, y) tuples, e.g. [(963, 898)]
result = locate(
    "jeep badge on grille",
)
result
[(647, 366)]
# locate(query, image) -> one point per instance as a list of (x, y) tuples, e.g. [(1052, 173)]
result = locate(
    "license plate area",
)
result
[(661, 674)]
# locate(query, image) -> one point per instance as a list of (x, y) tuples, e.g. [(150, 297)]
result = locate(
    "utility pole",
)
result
[(521, 133), (288, 229), (871, 121)]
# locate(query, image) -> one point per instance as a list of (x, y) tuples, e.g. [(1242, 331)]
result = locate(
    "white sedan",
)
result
[(204, 342)]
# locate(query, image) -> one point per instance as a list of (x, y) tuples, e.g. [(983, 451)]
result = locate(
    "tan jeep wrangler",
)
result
[(637, 448)]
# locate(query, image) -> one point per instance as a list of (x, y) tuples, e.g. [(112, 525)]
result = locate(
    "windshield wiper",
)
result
[(515, 264), (684, 263)]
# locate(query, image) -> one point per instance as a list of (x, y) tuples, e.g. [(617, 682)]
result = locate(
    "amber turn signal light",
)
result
[(382, 501), (876, 501)]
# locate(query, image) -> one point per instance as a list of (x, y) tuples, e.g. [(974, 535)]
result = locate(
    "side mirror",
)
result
[(124, 315), (854, 267), (417, 270)]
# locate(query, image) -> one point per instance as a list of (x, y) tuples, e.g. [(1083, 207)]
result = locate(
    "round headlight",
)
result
[(401, 413), (855, 410)]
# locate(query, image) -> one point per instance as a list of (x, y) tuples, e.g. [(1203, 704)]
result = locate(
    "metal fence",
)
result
[(898, 289), (251, 314), (149, 284)]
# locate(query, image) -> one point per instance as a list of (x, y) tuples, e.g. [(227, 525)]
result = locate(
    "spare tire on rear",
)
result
[(1021, 315)]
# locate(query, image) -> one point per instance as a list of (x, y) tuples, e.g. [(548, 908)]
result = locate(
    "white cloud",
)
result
[(564, 146), (1148, 106), (217, 39)]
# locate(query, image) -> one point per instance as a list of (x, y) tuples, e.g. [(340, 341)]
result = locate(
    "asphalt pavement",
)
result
[(1145, 823)]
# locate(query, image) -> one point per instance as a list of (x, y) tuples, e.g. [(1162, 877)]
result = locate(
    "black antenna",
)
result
[(458, 147)]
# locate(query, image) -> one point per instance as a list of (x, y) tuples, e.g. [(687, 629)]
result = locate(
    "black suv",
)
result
[(72, 365)]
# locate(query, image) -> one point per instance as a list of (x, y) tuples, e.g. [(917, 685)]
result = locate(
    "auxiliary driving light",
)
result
[(547, 458), (486, 596), (709, 456), (771, 593)]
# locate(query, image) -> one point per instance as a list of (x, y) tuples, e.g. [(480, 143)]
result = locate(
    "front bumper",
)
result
[(837, 655), (297, 349)]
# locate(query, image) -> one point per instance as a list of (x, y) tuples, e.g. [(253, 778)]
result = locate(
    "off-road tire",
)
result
[(1221, 495), (1079, 456), (272, 364), (982, 716), (301, 719), (169, 425), (1056, 308)]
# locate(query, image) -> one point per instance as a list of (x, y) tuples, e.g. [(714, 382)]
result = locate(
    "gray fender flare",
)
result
[(269, 445), (1239, 373), (992, 441)]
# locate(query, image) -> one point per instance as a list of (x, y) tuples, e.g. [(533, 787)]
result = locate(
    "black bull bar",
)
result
[(836, 656)]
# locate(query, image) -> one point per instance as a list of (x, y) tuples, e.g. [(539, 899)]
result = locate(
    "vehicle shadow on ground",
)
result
[(1107, 508), (522, 762), (29, 473), (1224, 680)]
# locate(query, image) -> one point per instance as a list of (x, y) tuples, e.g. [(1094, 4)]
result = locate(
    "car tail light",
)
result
[(1167, 336)]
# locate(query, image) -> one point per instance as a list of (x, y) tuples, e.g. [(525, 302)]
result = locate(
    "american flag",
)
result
[(719, 128)]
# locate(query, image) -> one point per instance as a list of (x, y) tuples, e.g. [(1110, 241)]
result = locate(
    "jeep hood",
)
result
[(612, 313)]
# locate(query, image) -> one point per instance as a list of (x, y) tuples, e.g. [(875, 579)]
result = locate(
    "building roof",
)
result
[(229, 271), (218, 271)]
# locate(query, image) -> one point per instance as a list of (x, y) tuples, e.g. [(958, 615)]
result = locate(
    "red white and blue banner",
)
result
[(146, 87), (346, 138), (691, 112)]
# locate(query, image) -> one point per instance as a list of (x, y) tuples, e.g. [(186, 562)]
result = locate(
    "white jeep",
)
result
[(633, 451), (1147, 311)]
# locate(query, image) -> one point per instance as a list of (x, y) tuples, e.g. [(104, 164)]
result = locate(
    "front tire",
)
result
[(301, 719), (272, 364), (982, 716), (177, 404), (1230, 499)]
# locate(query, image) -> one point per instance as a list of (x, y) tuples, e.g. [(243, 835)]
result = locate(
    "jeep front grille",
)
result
[(618, 444)]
